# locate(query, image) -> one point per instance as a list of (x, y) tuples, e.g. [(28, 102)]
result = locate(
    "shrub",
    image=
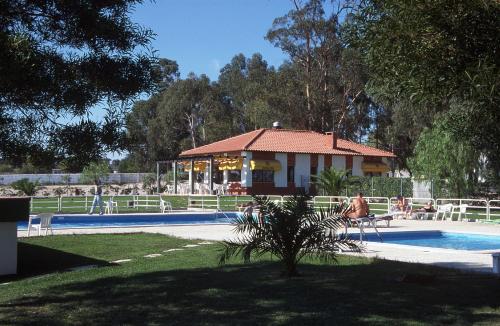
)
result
[(26, 186), (289, 232)]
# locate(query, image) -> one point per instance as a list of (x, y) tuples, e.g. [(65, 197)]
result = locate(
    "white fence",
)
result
[(70, 178), (476, 209)]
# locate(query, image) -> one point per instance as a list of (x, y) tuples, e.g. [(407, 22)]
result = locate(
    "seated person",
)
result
[(358, 208), (428, 208), (401, 205), (248, 209)]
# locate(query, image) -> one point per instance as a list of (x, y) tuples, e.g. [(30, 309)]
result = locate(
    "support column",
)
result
[(175, 177), (210, 175), (157, 177), (191, 178)]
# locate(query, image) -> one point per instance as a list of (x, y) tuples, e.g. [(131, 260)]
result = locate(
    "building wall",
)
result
[(246, 173), (321, 163), (302, 170), (280, 177), (339, 162), (356, 166)]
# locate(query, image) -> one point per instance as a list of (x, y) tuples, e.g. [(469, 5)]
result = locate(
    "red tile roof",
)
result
[(286, 141)]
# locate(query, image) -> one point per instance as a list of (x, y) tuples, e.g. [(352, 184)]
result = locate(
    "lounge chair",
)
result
[(45, 223), (444, 210), (462, 209)]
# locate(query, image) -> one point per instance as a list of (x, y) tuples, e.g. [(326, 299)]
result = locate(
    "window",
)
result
[(263, 176), (291, 174), (314, 170), (234, 176)]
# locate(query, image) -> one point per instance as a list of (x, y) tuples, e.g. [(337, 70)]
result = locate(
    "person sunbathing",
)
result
[(358, 208)]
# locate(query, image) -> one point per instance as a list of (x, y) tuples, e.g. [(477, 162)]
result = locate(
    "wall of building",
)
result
[(280, 177), (246, 173), (356, 166), (302, 170), (339, 162)]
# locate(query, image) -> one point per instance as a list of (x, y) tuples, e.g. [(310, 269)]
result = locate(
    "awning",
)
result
[(230, 164), (272, 165), (375, 167), (199, 166)]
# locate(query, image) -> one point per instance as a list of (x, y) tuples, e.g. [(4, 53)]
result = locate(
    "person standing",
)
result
[(97, 199)]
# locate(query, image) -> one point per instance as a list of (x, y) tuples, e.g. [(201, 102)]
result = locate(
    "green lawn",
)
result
[(188, 288)]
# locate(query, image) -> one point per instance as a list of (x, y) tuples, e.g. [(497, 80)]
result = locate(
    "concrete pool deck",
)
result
[(461, 259)]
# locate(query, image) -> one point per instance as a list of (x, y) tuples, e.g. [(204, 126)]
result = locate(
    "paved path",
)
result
[(467, 260)]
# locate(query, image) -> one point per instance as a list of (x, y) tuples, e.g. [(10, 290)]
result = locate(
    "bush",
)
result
[(26, 186)]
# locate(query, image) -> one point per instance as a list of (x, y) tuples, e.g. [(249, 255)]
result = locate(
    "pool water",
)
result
[(438, 239), (91, 221)]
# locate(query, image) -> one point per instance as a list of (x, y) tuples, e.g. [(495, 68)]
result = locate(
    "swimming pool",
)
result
[(438, 239), (117, 220)]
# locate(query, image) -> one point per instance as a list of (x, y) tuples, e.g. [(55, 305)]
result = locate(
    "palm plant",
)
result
[(332, 181), (289, 232)]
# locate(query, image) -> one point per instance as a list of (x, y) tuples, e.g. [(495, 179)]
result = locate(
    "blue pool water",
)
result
[(438, 239), (85, 221)]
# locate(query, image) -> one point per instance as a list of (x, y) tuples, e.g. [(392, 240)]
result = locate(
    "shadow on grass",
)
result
[(36, 260), (253, 294)]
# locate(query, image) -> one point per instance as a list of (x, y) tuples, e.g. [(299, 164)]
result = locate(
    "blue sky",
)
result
[(203, 35)]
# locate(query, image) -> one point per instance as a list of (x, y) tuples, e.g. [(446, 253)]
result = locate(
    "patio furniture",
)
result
[(165, 206), (110, 205), (462, 209), (444, 210), (45, 223)]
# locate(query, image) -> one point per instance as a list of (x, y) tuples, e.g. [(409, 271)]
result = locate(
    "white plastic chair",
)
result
[(462, 209), (165, 206), (445, 210), (110, 205), (45, 223)]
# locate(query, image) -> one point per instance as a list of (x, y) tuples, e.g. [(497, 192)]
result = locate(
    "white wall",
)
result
[(321, 163), (302, 170), (356, 166), (338, 162), (246, 173), (74, 178), (280, 177), (8, 248)]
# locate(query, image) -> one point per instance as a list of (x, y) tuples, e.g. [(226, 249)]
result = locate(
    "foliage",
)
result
[(95, 172), (26, 186), (433, 60), (380, 186), (290, 233), (332, 181), (189, 113), (439, 156), (149, 183), (58, 59)]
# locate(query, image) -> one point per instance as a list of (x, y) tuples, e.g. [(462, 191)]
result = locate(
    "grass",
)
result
[(188, 288)]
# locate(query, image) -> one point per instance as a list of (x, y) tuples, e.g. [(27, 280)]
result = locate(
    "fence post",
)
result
[(400, 186), (488, 217), (218, 202), (31, 205), (59, 203), (372, 185)]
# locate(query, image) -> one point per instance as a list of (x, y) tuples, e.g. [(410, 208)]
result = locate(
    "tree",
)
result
[(439, 157), (332, 181), (436, 59), (290, 233), (95, 172), (59, 59), (189, 113)]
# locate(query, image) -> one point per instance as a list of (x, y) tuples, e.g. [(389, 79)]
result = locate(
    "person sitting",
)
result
[(358, 208), (401, 206)]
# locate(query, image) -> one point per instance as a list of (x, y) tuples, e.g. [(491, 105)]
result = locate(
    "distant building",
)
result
[(279, 161)]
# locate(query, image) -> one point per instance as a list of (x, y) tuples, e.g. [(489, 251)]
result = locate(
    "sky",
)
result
[(203, 35)]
